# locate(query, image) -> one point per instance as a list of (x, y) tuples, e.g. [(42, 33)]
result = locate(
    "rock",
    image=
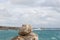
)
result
[(25, 29), (26, 33), (18, 38), (31, 36)]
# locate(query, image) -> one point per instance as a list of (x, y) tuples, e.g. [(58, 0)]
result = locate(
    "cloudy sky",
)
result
[(38, 13)]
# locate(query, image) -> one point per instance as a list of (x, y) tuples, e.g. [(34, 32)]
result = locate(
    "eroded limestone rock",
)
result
[(25, 29), (26, 33)]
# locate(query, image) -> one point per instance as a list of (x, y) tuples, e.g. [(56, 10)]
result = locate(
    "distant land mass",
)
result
[(16, 28), (8, 27)]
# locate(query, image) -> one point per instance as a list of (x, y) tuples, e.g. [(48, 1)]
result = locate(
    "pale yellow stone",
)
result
[(31, 36), (26, 33), (18, 38), (25, 29)]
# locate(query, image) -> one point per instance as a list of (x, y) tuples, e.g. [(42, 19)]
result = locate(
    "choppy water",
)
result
[(43, 34)]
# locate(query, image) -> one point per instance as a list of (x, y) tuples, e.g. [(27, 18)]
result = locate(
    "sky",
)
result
[(38, 13)]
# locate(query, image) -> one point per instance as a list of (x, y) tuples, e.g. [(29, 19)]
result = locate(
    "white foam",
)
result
[(53, 38)]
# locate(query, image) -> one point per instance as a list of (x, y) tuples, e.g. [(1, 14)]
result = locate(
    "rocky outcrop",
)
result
[(26, 33)]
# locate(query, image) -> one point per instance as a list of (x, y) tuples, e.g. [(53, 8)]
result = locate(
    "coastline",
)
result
[(17, 28), (8, 28)]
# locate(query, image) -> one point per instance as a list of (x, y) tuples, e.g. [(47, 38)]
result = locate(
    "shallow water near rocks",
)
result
[(43, 34)]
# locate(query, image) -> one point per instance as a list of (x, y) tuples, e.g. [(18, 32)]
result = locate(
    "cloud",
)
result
[(27, 2), (46, 3), (39, 13), (31, 15), (53, 3)]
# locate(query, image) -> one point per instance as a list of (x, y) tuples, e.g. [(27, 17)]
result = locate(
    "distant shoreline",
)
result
[(17, 28), (7, 28)]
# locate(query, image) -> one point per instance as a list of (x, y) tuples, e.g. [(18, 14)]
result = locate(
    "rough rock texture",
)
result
[(26, 33), (25, 29)]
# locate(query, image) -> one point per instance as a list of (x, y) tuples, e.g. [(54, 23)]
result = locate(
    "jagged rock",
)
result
[(26, 33), (25, 29), (18, 38), (31, 36)]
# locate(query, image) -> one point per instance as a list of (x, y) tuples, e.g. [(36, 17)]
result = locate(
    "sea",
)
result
[(42, 34)]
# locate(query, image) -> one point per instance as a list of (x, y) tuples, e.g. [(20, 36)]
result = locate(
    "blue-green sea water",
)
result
[(43, 34)]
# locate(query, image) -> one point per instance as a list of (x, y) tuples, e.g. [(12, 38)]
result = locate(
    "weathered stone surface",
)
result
[(31, 36), (18, 38), (26, 33), (25, 29)]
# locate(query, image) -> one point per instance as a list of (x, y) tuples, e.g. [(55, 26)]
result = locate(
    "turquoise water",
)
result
[(43, 34)]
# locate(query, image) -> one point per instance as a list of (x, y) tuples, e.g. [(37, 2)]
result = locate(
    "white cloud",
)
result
[(47, 3), (53, 3), (31, 12)]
